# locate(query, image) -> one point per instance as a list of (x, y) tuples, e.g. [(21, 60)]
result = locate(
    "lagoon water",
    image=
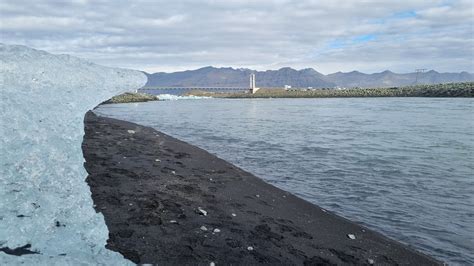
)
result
[(401, 166)]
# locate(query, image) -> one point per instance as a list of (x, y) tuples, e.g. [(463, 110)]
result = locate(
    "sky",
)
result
[(327, 35)]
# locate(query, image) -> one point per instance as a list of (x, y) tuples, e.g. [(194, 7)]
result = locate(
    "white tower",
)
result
[(253, 89)]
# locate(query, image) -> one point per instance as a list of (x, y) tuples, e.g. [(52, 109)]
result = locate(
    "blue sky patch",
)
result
[(405, 14), (364, 38)]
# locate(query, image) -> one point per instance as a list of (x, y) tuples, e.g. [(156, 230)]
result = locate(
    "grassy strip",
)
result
[(465, 89), (129, 97)]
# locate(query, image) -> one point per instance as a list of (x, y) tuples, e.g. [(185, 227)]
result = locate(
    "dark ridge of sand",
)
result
[(150, 186)]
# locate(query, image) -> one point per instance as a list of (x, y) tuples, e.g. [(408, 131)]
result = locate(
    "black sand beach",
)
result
[(168, 202)]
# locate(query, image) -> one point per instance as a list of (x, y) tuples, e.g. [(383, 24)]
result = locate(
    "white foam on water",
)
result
[(171, 97), (45, 201)]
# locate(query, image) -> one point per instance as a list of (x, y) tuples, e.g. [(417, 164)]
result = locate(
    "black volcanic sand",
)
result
[(149, 187)]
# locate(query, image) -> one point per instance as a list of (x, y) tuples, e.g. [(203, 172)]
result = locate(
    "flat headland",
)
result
[(131, 97), (462, 89), (168, 202)]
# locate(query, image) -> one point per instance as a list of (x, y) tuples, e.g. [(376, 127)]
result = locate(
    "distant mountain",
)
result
[(390, 79), (230, 77)]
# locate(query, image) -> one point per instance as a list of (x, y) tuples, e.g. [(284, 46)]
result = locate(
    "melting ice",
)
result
[(171, 97), (45, 201)]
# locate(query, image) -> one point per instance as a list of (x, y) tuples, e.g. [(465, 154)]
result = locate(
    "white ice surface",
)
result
[(43, 101)]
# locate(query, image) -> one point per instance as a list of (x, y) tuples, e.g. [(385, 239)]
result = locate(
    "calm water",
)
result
[(401, 166)]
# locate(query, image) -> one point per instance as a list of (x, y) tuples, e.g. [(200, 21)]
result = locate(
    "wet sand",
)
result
[(168, 202)]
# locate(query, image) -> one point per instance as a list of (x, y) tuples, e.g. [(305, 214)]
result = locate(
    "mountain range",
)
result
[(231, 77)]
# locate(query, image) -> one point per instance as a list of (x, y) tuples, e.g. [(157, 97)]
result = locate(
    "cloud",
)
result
[(37, 23), (175, 35)]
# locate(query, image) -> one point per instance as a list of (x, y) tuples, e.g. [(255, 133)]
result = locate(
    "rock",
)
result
[(201, 211), (370, 261), (233, 214), (131, 131), (249, 248), (351, 236), (203, 228), (217, 230)]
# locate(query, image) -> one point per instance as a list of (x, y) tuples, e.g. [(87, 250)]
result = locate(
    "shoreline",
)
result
[(451, 90), (163, 200)]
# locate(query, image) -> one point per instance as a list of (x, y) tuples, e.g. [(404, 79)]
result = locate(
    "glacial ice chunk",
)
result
[(171, 97), (44, 199)]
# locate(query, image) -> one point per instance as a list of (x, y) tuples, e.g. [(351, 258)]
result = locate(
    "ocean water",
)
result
[(401, 166)]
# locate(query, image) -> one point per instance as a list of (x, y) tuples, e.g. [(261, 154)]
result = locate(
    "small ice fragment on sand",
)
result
[(212, 264), (125, 157), (203, 228), (131, 131), (131, 204), (249, 248), (258, 196), (157, 160), (370, 261), (233, 214), (217, 230), (173, 172), (173, 221), (210, 179), (351, 236), (201, 211), (323, 210)]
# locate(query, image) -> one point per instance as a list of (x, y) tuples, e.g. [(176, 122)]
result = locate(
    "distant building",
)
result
[(253, 89), (287, 87)]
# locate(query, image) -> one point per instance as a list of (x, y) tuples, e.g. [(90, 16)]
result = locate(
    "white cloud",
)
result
[(166, 36), (39, 23)]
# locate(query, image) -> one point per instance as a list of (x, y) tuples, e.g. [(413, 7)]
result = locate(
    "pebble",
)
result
[(212, 264), (203, 228), (258, 196), (233, 214), (370, 261), (249, 248), (173, 172), (173, 222), (131, 131), (217, 230), (201, 211), (157, 160), (351, 236)]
